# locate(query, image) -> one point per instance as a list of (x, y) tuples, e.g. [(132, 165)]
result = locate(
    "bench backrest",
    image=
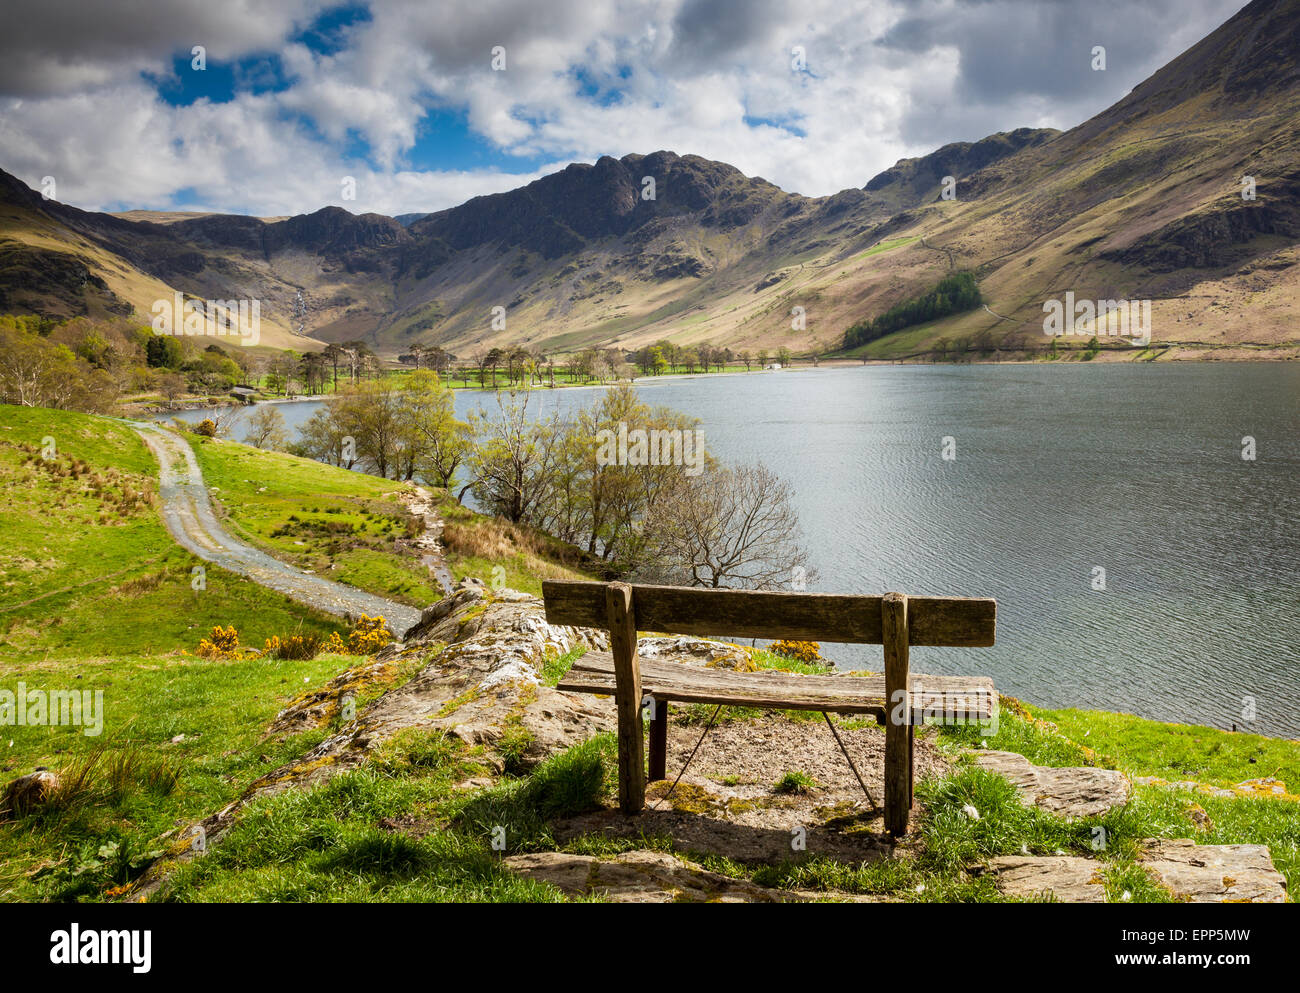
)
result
[(830, 617)]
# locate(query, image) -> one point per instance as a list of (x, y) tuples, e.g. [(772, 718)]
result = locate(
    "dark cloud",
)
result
[(1039, 53), (65, 46)]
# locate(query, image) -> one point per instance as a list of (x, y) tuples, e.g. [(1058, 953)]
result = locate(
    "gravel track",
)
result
[(188, 515)]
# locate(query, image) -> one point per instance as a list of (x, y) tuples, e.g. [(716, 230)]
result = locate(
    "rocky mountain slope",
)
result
[(1143, 201)]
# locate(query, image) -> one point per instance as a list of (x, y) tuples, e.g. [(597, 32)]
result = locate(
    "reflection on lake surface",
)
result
[(1059, 470)]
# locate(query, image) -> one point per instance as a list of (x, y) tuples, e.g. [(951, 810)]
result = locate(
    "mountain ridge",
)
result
[(1143, 199)]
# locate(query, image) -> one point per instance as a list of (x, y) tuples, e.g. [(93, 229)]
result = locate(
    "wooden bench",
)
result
[(899, 699)]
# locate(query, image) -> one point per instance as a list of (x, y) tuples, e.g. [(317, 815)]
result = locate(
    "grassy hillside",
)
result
[(87, 568), (95, 596)]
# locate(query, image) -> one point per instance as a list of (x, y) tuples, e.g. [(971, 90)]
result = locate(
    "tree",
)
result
[(266, 429), (322, 438), (439, 442), (312, 370), (729, 527), (163, 351), (954, 294), (171, 385), (746, 358), (334, 354), (371, 414), (513, 465)]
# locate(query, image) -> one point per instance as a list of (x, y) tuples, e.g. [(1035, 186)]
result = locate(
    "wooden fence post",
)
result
[(621, 621), (898, 714)]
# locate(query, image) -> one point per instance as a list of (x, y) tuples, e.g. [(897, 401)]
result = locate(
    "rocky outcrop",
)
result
[(1215, 873), (1067, 878), (910, 180), (1068, 792)]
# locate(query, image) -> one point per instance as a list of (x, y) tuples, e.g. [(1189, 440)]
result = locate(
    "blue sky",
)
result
[(402, 96)]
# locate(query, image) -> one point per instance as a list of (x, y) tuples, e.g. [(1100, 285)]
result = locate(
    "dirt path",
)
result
[(187, 512)]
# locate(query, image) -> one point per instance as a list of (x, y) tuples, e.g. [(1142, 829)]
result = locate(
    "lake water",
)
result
[(1059, 470)]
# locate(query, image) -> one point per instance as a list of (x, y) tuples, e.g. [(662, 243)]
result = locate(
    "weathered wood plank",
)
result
[(621, 622), (827, 617), (898, 718), (958, 699)]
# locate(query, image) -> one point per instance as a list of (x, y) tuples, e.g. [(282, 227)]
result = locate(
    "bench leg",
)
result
[(659, 742), (898, 777), (898, 714), (627, 698)]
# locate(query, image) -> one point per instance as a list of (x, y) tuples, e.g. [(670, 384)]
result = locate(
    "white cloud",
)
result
[(884, 80)]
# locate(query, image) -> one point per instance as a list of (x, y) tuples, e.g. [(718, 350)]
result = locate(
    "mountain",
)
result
[(910, 181), (1143, 201)]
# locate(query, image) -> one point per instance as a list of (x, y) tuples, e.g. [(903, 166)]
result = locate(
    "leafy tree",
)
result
[(513, 466), (164, 351)]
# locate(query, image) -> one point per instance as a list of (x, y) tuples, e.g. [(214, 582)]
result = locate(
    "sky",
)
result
[(269, 107)]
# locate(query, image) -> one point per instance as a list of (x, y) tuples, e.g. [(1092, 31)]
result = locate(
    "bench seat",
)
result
[(954, 699)]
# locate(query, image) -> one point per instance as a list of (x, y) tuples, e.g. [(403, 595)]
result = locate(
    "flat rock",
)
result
[(1215, 873), (1192, 873), (652, 877), (1070, 878), (27, 793), (1077, 791), (1266, 788)]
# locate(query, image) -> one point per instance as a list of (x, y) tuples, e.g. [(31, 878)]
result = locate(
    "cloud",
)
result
[(584, 78)]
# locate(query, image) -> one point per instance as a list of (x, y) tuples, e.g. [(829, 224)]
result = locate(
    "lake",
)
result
[(1059, 471)]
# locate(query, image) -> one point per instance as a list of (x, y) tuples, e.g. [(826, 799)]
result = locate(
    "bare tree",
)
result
[(171, 385), (730, 527), (266, 429)]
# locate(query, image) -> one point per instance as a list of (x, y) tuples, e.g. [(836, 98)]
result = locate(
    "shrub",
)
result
[(800, 651), (206, 427), (221, 643), (296, 646), (368, 636)]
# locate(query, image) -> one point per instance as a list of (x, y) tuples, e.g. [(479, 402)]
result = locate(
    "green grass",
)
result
[(221, 708), (794, 782), (1174, 752), (332, 842), (342, 525), (1178, 751), (555, 669), (885, 246), (85, 575)]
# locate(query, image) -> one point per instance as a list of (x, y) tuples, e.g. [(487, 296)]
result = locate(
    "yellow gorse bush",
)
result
[(801, 651), (368, 636), (221, 643)]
